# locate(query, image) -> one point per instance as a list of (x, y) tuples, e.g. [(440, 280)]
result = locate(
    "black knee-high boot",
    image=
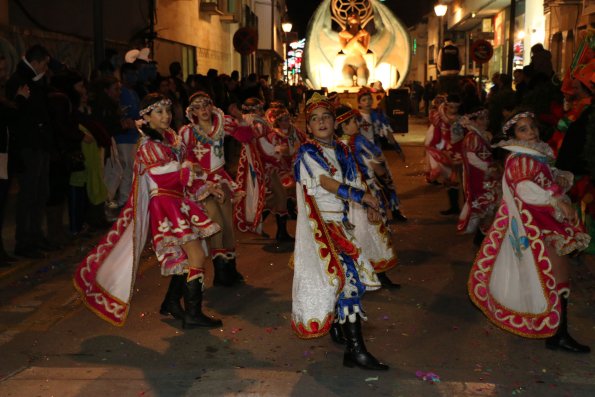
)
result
[(171, 303), (453, 201), (356, 353), (234, 270), (387, 282), (336, 333), (194, 317), (224, 275), (562, 339), (282, 234)]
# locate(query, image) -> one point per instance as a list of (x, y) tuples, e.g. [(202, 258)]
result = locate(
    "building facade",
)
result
[(197, 33)]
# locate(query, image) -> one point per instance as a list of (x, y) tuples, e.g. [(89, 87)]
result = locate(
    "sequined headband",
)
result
[(347, 115), (150, 108), (510, 123), (318, 101), (257, 106), (274, 114), (201, 101)]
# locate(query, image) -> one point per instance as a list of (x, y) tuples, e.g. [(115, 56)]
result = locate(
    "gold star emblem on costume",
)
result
[(200, 150)]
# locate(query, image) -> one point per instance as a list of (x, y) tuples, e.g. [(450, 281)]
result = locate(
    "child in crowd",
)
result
[(276, 196), (371, 230), (203, 140), (443, 152), (375, 127), (481, 179), (105, 278), (330, 272), (520, 277)]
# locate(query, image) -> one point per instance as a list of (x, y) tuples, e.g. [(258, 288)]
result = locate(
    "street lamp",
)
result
[(286, 25), (440, 10)]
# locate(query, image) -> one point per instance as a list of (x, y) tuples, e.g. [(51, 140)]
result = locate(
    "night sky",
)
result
[(300, 11)]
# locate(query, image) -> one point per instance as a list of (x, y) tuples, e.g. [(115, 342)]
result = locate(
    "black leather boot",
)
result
[(356, 353), (193, 316), (282, 235), (234, 271), (223, 272), (387, 282), (398, 216), (171, 302), (336, 334), (562, 339), (453, 200), (292, 208)]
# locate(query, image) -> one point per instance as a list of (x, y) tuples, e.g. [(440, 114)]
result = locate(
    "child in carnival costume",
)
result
[(432, 137), (286, 138), (105, 278), (520, 277), (330, 272), (481, 179), (443, 150), (271, 159), (250, 177), (203, 139), (374, 126), (371, 232)]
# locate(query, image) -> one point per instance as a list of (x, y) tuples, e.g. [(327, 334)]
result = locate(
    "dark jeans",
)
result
[(32, 197), (77, 208), (4, 186)]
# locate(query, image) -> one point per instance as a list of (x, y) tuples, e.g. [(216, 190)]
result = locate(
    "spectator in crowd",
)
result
[(520, 84), (107, 111), (251, 88), (181, 91), (541, 61), (126, 141), (8, 115), (417, 92), (33, 139), (429, 94)]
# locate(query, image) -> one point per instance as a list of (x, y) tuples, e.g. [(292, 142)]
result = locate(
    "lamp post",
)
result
[(440, 10), (286, 25)]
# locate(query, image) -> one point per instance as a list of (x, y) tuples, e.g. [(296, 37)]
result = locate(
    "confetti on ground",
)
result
[(372, 379), (235, 330), (428, 376), (268, 330)]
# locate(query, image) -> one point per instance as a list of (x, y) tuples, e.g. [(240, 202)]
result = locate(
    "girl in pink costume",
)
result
[(520, 277), (203, 140), (480, 176), (105, 278)]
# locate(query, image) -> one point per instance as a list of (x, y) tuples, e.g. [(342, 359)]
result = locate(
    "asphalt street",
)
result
[(50, 345)]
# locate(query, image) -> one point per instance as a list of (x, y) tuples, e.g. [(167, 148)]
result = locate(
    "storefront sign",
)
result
[(245, 40), (481, 51)]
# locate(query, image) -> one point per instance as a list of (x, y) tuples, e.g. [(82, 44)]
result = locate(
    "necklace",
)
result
[(318, 144)]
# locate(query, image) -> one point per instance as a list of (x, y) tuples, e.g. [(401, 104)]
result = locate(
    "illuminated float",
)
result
[(354, 43)]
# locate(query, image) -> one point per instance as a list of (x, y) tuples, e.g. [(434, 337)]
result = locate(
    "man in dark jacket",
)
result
[(33, 139)]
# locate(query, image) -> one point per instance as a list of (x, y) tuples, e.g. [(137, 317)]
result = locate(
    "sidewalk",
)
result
[(26, 269)]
